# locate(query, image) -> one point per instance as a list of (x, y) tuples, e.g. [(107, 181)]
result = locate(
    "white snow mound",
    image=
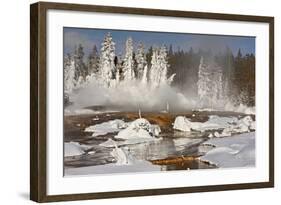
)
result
[(140, 128), (74, 149), (215, 122), (243, 125), (106, 127), (234, 151)]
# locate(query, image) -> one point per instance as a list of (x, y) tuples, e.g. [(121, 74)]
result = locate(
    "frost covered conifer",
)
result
[(163, 63), (210, 81), (159, 68), (69, 74), (106, 65), (154, 75), (144, 76), (80, 67), (128, 66), (141, 61), (93, 61)]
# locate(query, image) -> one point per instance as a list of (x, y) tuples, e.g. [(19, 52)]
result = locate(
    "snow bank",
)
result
[(215, 122), (106, 127), (234, 151), (140, 128), (182, 123), (230, 125), (74, 149), (245, 124)]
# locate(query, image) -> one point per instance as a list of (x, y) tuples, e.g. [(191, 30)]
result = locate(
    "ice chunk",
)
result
[(106, 127), (109, 143), (182, 123), (121, 156), (140, 128), (214, 122), (245, 124), (74, 149)]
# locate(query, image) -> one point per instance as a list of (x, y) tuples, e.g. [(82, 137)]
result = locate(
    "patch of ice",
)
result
[(214, 122), (230, 125), (234, 151), (106, 127), (111, 143), (121, 156), (74, 149), (179, 142), (140, 166), (245, 124)]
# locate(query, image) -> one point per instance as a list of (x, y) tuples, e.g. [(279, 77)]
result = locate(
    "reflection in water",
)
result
[(173, 145)]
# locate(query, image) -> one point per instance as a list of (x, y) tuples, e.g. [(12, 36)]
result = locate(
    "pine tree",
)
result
[(107, 68), (163, 63), (93, 61), (209, 84), (149, 56), (140, 61), (128, 66), (69, 74), (159, 68), (80, 67), (154, 75)]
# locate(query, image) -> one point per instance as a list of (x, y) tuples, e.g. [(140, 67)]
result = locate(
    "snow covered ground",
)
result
[(233, 151)]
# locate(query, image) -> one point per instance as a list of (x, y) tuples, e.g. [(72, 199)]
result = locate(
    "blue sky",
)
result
[(217, 43)]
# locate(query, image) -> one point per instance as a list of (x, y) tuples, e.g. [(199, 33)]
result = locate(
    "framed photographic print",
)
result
[(134, 102)]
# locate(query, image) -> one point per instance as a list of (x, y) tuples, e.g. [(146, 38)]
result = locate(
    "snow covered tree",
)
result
[(69, 74), (163, 63), (128, 66), (80, 67), (154, 75), (159, 68), (144, 75), (141, 61), (210, 82), (93, 61), (107, 68)]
